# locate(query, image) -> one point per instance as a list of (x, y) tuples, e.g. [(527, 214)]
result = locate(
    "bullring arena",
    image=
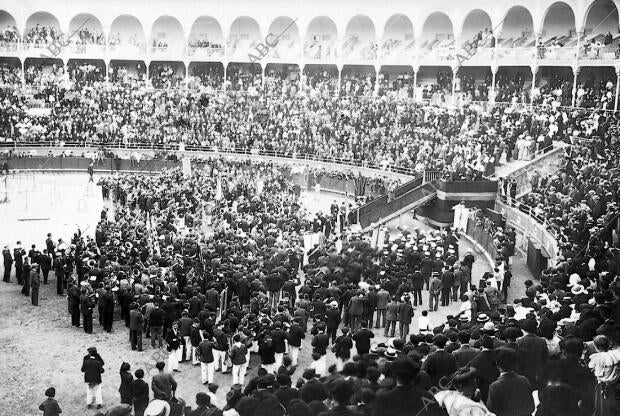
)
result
[(248, 208)]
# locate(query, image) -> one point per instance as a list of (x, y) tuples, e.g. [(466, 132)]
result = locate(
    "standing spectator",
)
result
[(439, 363), (163, 384), (383, 298), (35, 283), (535, 353), (332, 321), (416, 287), (92, 367), (205, 355), (126, 382), (50, 406), (405, 398), (156, 322), (267, 352), (136, 321), (342, 348), (434, 289), (140, 393), (392, 317), (356, 310), (106, 306), (238, 353), (511, 393), (175, 347), (605, 364), (362, 339), (294, 336), (486, 368), (8, 262), (405, 314)]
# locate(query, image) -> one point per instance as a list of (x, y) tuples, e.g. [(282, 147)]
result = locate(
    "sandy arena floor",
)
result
[(38, 346)]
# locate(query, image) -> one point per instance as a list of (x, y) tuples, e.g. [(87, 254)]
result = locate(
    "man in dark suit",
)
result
[(87, 304), (136, 321), (486, 369), (92, 367), (320, 342), (106, 305), (332, 321), (405, 313), (140, 391), (45, 261), (35, 283), (440, 363), (435, 288), (18, 256), (511, 393), (294, 336), (8, 262), (391, 317), (405, 399), (73, 297), (362, 339), (465, 353), (49, 244), (535, 353)]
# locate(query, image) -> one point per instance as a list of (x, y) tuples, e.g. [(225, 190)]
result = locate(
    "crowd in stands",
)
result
[(204, 44), (10, 74), (9, 34), (581, 200), (85, 36), (41, 35), (165, 76)]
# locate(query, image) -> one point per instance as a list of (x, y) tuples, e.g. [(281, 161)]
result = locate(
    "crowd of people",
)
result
[(226, 267), (581, 201), (284, 117)]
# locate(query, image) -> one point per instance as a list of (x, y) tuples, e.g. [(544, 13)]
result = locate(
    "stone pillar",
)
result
[(617, 87), (494, 69), (416, 68), (534, 69), (575, 75)]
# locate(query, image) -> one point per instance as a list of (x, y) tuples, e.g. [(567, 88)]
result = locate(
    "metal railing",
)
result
[(527, 210)]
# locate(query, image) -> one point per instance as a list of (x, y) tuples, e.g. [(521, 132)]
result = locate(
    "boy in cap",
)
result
[(50, 406)]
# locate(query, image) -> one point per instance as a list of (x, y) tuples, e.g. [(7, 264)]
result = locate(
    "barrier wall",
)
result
[(534, 232), (305, 181)]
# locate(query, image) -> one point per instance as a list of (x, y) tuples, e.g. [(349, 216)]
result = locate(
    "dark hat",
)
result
[(202, 399), (51, 392), (246, 406), (506, 358), (92, 350), (529, 325)]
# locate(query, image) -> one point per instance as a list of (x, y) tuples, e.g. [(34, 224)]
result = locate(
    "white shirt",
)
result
[(424, 324)]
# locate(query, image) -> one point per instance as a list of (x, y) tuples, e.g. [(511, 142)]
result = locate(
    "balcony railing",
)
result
[(330, 51)]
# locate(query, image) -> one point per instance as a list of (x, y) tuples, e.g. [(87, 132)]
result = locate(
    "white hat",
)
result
[(489, 327), (578, 289), (573, 280)]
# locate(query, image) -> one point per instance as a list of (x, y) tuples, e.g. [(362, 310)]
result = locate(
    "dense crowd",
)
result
[(581, 201), (278, 115), (226, 267)]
